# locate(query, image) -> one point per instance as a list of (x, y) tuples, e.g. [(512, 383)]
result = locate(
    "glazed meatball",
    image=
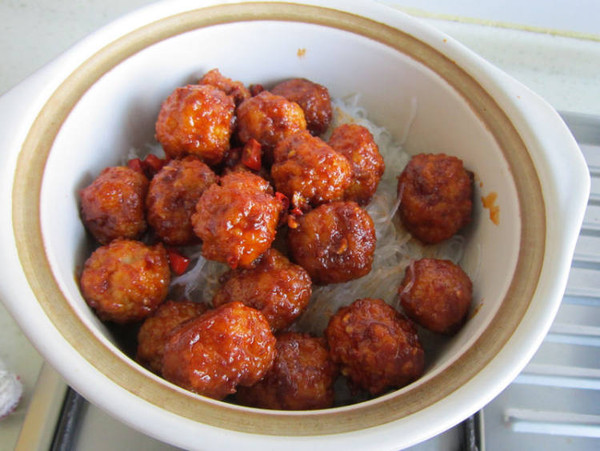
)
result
[(376, 347), (196, 120), (356, 143), (211, 355), (112, 206), (269, 118), (235, 89), (301, 378), (436, 294), (126, 280), (307, 169), (172, 197), (237, 219), (435, 197), (313, 99), (275, 286), (334, 242), (156, 329)]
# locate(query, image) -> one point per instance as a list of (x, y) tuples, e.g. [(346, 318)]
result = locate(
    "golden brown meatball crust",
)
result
[(211, 355), (126, 280), (156, 329), (356, 143), (172, 197), (307, 168), (269, 118), (314, 100), (301, 378), (237, 219), (112, 206), (376, 346), (235, 89), (196, 120), (335, 242), (436, 294), (275, 286), (435, 197)]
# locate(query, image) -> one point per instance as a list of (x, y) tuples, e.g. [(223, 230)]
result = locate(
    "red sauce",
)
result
[(489, 202)]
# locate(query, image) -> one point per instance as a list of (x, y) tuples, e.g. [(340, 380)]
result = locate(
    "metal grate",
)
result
[(555, 402)]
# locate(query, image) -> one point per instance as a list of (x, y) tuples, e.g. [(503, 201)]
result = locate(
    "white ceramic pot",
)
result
[(85, 110)]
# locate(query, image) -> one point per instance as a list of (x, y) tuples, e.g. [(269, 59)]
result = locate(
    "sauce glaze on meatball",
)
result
[(211, 355), (196, 120), (172, 197), (112, 206), (269, 118), (436, 294), (435, 197), (156, 329), (335, 242), (237, 219), (356, 143), (314, 100), (301, 378), (126, 280), (307, 168), (376, 346), (275, 286)]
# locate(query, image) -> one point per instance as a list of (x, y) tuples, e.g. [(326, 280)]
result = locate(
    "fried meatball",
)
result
[(126, 280), (112, 206), (436, 294), (172, 197), (156, 329), (235, 89), (356, 143), (211, 355), (275, 286), (334, 242), (376, 347), (269, 118), (435, 197), (196, 120), (237, 219), (307, 168), (313, 99), (301, 378)]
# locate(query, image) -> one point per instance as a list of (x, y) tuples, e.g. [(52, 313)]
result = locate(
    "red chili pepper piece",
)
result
[(153, 163), (136, 164), (256, 89), (233, 262), (251, 154), (285, 202), (179, 263)]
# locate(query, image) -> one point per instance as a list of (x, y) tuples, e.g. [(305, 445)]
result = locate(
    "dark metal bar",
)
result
[(67, 429)]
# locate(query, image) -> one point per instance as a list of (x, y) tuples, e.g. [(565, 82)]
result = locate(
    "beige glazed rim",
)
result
[(120, 370)]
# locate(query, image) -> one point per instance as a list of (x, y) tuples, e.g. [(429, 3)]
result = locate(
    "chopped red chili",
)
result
[(256, 89), (149, 166), (153, 163), (251, 154), (136, 164), (178, 262)]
